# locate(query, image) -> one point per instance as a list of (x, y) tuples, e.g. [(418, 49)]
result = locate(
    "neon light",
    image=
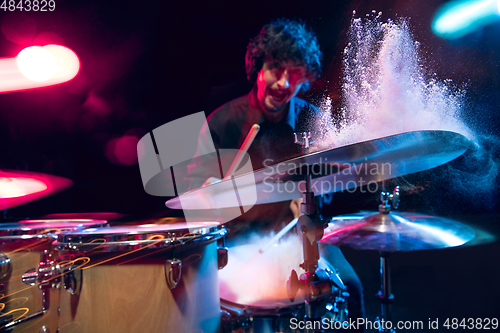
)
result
[(36, 63), (37, 66), (67, 62), (458, 18), (18, 187)]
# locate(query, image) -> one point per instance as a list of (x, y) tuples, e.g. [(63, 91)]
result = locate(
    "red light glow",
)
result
[(36, 63), (37, 66), (122, 150), (341, 230), (19, 187)]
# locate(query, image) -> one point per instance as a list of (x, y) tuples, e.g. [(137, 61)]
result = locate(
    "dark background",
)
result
[(146, 63)]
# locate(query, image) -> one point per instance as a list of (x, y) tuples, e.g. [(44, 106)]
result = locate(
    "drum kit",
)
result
[(102, 273)]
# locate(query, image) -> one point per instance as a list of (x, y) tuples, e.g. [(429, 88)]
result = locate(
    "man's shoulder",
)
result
[(230, 110), (302, 105), (309, 117)]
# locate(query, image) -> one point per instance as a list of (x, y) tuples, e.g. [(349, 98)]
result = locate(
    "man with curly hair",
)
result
[(283, 59)]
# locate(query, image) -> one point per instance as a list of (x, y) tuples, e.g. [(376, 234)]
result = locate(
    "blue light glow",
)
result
[(458, 18)]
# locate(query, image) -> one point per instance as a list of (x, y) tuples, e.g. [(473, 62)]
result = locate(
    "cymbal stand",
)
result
[(316, 284), (385, 293)]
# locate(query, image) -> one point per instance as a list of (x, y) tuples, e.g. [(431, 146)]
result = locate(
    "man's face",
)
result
[(276, 86)]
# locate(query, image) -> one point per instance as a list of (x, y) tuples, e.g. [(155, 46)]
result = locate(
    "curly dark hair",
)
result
[(280, 41)]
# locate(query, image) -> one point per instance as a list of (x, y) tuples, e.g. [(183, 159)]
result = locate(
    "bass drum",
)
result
[(24, 305), (253, 288), (141, 278)]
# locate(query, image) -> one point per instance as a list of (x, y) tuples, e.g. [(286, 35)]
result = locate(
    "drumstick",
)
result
[(243, 149), (279, 235)]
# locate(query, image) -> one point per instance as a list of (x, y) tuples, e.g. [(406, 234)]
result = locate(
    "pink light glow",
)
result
[(37, 66), (36, 63), (341, 230), (63, 222), (19, 187), (122, 150)]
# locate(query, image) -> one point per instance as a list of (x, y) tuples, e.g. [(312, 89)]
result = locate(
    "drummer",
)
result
[(281, 61)]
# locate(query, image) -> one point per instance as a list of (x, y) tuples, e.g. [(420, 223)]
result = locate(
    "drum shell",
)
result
[(129, 293)]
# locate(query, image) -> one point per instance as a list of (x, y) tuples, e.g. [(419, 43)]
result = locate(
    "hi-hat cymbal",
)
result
[(396, 232), (18, 187), (332, 170)]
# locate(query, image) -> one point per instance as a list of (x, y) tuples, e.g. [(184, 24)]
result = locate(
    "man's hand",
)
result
[(295, 207), (210, 181)]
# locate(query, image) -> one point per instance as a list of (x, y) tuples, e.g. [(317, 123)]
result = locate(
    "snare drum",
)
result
[(22, 248), (253, 288), (142, 278)]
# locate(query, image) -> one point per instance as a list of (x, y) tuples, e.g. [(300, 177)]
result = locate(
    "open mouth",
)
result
[(278, 96)]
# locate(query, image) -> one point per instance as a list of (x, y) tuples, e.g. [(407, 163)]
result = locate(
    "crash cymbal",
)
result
[(19, 187), (396, 232), (332, 170)]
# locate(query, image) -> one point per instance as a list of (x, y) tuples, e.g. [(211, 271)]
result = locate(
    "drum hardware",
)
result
[(173, 272), (222, 257), (304, 138), (316, 284), (29, 242), (222, 251), (73, 281), (49, 274), (11, 324), (5, 318), (389, 201), (385, 293), (5, 266), (44, 329)]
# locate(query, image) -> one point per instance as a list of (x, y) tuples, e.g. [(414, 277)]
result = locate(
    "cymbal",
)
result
[(395, 232), (332, 170), (19, 187)]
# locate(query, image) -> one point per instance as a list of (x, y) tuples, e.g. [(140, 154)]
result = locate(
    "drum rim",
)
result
[(16, 231), (83, 222), (254, 310), (122, 241)]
